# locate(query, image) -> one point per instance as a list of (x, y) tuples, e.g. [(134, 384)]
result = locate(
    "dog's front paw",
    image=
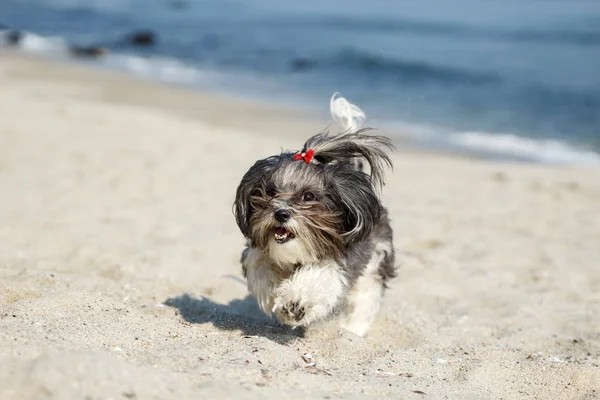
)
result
[(291, 313), (296, 302), (291, 306)]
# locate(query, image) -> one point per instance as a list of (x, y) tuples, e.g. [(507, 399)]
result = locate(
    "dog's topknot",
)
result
[(352, 144)]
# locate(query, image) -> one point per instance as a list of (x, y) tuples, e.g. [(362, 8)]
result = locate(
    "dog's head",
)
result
[(303, 207)]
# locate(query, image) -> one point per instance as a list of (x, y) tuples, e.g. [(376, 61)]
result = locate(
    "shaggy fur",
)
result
[(319, 239)]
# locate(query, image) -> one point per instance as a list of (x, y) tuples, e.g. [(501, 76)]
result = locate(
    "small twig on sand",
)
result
[(317, 370), (311, 364)]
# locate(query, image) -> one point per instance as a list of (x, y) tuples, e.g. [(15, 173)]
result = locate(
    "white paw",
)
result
[(291, 313), (292, 308)]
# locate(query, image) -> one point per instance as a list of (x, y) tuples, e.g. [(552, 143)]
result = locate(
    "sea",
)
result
[(511, 79)]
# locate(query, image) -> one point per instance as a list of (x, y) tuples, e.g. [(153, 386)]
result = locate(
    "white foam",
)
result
[(499, 145), (544, 150), (158, 68), (33, 43), (169, 70)]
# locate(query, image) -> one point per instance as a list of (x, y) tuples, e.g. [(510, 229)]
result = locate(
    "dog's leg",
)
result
[(260, 278), (365, 297), (310, 294)]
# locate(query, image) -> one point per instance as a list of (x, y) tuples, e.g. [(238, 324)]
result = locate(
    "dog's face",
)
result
[(301, 211)]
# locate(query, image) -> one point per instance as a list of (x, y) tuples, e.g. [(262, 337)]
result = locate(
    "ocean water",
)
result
[(514, 78)]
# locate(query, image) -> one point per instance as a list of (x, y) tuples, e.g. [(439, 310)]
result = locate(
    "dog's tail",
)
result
[(349, 116), (352, 145)]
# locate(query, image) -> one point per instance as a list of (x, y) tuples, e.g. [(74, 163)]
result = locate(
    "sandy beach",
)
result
[(120, 274)]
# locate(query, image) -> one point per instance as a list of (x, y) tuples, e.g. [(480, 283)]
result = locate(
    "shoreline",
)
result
[(252, 116), (507, 148), (120, 274)]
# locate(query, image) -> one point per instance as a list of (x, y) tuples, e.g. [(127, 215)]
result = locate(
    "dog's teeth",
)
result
[(281, 237)]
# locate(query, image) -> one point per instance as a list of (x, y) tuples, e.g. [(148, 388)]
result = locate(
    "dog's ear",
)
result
[(252, 184), (352, 148), (355, 195)]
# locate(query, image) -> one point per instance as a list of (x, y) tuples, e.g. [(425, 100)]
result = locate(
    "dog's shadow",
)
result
[(240, 314)]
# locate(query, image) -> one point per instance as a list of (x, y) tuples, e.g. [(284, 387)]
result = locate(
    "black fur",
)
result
[(346, 219), (255, 178), (384, 232), (357, 256), (344, 195)]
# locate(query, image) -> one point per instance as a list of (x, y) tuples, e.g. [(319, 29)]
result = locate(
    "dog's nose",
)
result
[(282, 215)]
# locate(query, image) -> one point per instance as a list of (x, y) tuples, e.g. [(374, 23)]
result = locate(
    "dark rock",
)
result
[(143, 38), (303, 64), (14, 37), (87, 51)]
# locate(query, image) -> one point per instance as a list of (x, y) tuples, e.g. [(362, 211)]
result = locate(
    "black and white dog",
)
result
[(319, 239)]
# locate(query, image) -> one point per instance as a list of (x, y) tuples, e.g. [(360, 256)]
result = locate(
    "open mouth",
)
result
[(282, 235)]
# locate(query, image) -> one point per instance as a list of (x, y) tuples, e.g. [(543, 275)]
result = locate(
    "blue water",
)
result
[(520, 77)]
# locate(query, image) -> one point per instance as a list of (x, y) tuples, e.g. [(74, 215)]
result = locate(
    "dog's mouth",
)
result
[(282, 235)]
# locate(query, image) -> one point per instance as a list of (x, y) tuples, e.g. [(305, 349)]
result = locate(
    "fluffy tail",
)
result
[(352, 145), (349, 116)]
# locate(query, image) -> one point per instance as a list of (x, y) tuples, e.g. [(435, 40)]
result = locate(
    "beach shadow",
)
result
[(240, 314)]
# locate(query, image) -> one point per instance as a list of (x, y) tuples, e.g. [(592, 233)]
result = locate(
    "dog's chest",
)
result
[(264, 276)]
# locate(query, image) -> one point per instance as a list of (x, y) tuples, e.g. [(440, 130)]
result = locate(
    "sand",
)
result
[(120, 275)]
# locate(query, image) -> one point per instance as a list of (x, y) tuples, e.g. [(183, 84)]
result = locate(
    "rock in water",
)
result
[(303, 64), (13, 38), (87, 51), (143, 38)]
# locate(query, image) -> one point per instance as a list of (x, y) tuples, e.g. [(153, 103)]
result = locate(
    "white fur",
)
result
[(261, 279), (317, 289), (289, 253), (300, 296), (349, 116), (365, 297)]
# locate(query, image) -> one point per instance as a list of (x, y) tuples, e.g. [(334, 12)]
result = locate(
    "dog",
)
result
[(318, 240)]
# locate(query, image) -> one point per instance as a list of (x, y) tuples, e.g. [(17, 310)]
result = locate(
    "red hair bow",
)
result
[(305, 156)]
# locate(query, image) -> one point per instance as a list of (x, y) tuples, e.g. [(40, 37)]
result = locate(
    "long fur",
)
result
[(345, 147), (337, 228)]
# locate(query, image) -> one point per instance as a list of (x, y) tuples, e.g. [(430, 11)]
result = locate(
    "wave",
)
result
[(548, 151), (171, 70), (505, 146), (32, 43), (345, 59), (157, 68)]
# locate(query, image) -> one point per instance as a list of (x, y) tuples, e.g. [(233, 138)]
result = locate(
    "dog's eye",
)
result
[(271, 192), (308, 196)]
